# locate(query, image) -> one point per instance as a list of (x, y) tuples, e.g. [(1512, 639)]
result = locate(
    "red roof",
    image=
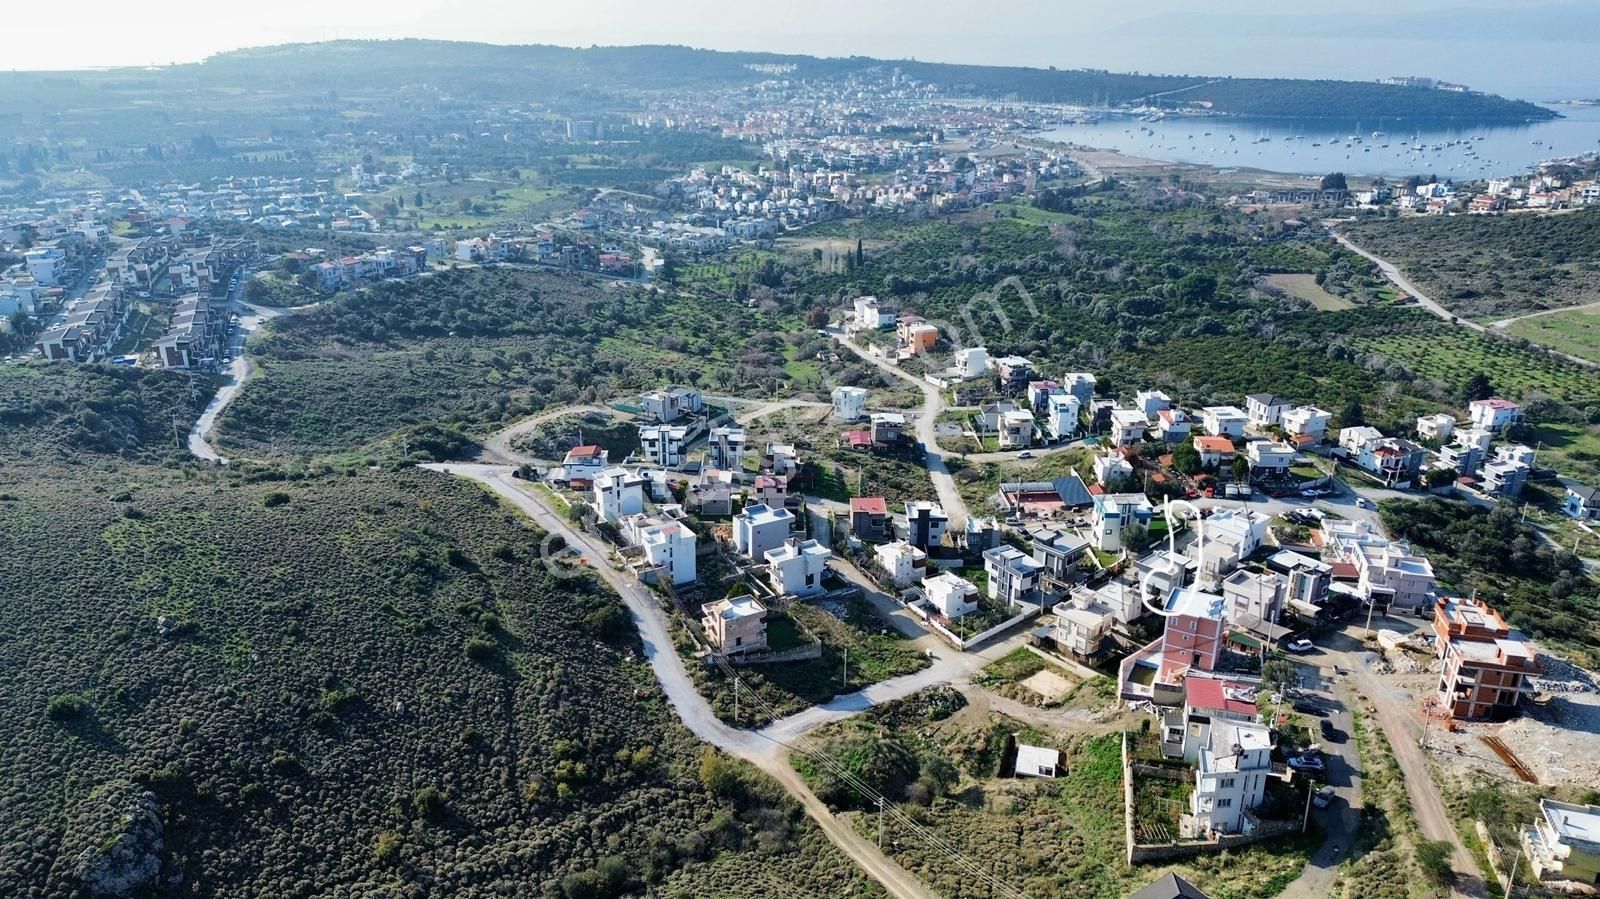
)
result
[(872, 505), (1345, 571), (587, 451), (1208, 693), (1213, 444), (858, 438)]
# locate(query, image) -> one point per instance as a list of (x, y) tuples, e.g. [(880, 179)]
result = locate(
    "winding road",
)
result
[(933, 403), (767, 748)]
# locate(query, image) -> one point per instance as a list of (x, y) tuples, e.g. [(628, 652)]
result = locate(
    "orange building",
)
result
[(1486, 663)]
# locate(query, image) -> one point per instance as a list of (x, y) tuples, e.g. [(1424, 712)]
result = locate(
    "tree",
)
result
[(1186, 459), (817, 317), (1334, 181), (1353, 415), (1439, 477), (1277, 673), (1241, 467), (718, 775), (1478, 387)]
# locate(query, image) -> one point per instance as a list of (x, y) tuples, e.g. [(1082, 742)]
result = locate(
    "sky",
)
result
[(1510, 50)]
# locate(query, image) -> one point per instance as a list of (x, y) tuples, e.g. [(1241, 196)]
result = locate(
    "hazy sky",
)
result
[(1504, 50)]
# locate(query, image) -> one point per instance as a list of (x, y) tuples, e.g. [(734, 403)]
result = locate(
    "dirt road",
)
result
[(1399, 280)]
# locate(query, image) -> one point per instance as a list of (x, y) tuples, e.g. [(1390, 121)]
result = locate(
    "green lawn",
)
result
[(1571, 449), (1576, 332)]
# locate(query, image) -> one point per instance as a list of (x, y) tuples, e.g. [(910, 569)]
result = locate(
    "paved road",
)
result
[(239, 372), (933, 403), (498, 445), (1504, 323), (760, 748), (1342, 818), (1399, 280)]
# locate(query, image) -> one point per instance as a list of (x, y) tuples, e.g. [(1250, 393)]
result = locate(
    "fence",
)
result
[(812, 650), (1140, 853)]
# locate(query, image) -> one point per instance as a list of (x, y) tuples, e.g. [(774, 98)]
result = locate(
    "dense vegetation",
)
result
[(1493, 267), (59, 411), (1539, 588), (484, 346), (363, 684)]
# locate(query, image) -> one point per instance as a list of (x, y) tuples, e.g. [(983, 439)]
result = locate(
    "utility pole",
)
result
[(1305, 821), (844, 673), (880, 823), (1511, 881), (736, 700), (1371, 605)]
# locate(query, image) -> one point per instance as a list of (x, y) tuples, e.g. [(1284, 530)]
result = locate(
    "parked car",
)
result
[(1301, 645), (1025, 454), (1363, 502), (1306, 708), (1323, 798), (1327, 729), (1309, 765)]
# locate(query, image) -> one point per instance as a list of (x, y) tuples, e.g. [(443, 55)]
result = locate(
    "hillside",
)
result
[(482, 346), (302, 81), (1493, 267), (255, 683), (63, 411)]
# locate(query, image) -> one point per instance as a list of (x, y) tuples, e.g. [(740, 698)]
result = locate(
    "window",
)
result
[(1226, 783), (1224, 803), (738, 641)]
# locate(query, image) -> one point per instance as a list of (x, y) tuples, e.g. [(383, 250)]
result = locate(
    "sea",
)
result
[(1391, 148)]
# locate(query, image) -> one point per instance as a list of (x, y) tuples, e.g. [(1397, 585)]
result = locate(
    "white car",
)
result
[(1301, 645), (1323, 798), (1025, 454)]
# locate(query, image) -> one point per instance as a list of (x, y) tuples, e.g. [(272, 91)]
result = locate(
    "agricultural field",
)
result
[(357, 683), (939, 759), (1576, 332), (1491, 267), (1305, 288), (1453, 355)]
